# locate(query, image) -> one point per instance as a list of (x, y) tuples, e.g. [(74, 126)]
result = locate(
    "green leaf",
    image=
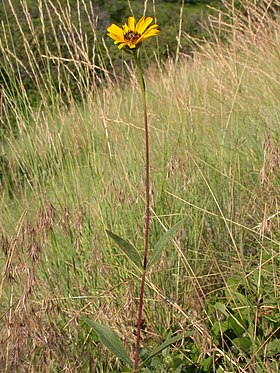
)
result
[(242, 343), (273, 347), (219, 328), (207, 363), (110, 340), (162, 347), (242, 298), (163, 241), (127, 248), (237, 324), (222, 308)]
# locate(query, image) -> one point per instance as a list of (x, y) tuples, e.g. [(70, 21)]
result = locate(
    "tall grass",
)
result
[(70, 171)]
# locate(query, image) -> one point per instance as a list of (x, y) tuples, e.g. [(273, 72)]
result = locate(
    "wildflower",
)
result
[(130, 35)]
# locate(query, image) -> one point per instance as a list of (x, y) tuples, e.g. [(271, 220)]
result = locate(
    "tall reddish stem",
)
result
[(147, 220)]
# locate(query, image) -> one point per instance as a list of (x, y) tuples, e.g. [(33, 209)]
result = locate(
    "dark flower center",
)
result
[(132, 36)]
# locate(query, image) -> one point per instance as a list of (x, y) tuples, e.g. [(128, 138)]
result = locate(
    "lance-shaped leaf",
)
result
[(110, 339), (127, 248), (163, 241)]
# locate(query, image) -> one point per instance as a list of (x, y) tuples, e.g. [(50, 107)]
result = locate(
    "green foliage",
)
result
[(111, 341), (50, 51), (244, 320), (244, 327), (69, 171)]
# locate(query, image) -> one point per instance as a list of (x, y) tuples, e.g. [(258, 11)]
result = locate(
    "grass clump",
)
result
[(73, 171)]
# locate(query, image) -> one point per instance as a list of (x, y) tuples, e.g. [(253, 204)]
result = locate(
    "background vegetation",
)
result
[(36, 36), (73, 168)]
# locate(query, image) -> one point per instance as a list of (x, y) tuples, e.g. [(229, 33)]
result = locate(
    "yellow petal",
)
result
[(125, 28), (152, 31), (139, 23), (148, 34), (131, 23), (116, 30), (121, 45), (116, 37), (153, 27), (145, 23)]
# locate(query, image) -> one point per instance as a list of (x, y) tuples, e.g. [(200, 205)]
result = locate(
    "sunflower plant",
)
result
[(130, 38), (131, 35)]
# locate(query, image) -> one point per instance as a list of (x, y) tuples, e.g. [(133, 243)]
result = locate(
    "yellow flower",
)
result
[(132, 35)]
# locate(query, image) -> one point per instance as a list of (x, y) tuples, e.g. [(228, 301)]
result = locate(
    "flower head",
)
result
[(131, 35)]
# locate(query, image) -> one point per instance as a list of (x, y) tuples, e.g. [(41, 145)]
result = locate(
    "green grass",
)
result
[(72, 172)]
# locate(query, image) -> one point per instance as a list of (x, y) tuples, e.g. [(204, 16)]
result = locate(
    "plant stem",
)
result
[(147, 220)]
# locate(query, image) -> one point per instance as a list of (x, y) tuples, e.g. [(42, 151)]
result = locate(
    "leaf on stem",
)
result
[(163, 241), (127, 248), (110, 339)]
